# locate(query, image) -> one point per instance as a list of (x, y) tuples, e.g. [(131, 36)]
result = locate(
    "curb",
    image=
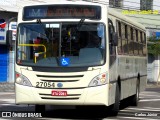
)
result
[(7, 87), (153, 83)]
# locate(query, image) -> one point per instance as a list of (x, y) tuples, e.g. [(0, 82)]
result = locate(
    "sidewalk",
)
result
[(6, 87), (153, 84)]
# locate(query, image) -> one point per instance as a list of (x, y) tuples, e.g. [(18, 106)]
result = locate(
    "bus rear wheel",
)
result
[(135, 98)]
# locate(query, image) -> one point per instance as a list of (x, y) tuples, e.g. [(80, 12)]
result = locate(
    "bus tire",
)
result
[(40, 109), (135, 98), (116, 105)]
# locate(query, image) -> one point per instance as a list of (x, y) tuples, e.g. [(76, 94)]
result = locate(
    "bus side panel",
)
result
[(143, 75), (112, 79), (143, 83)]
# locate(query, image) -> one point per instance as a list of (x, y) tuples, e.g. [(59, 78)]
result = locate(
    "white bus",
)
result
[(78, 53)]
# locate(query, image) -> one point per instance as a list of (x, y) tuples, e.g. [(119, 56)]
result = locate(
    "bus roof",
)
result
[(121, 17)]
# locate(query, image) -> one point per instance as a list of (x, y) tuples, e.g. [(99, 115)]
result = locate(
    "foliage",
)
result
[(154, 48), (152, 38), (153, 45)]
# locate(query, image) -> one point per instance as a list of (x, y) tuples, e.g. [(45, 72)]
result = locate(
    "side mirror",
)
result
[(9, 37), (115, 39)]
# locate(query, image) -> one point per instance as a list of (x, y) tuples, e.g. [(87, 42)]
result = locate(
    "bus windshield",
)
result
[(61, 44)]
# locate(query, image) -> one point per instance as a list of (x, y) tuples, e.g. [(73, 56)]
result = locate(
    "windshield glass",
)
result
[(61, 44)]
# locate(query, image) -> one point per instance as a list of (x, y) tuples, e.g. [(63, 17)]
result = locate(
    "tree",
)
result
[(154, 49), (153, 46)]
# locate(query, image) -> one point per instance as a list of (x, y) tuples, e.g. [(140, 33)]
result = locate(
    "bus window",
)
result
[(136, 44), (119, 37), (130, 41), (140, 43), (124, 40), (126, 32), (144, 44), (62, 40), (112, 49)]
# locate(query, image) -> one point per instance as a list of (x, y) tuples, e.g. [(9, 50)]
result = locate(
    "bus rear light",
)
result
[(98, 80)]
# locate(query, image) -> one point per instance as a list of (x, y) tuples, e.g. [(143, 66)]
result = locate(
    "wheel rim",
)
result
[(137, 93)]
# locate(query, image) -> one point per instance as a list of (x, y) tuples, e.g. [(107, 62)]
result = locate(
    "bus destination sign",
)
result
[(62, 12)]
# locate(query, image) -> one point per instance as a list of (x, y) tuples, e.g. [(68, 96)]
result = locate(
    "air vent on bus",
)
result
[(53, 78)]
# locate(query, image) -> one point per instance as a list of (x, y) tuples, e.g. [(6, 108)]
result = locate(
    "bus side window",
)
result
[(141, 44), (111, 42), (126, 50), (124, 38), (136, 43), (144, 44), (111, 46), (130, 40), (119, 37)]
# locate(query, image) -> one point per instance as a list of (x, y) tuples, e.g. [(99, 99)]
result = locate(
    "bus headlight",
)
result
[(99, 80), (22, 80)]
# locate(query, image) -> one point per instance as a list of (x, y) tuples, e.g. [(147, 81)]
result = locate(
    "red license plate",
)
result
[(59, 93)]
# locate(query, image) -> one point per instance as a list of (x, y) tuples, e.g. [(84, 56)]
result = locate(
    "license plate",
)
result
[(59, 93)]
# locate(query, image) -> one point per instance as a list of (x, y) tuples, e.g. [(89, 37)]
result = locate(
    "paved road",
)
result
[(148, 109)]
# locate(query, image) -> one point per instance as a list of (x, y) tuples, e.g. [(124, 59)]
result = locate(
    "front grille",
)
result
[(60, 78), (71, 82), (60, 69), (51, 76)]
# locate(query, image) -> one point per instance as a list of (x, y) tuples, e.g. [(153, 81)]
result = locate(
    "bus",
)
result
[(78, 53)]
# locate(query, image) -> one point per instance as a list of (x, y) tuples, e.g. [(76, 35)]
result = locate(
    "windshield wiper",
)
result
[(76, 29), (40, 23), (80, 23)]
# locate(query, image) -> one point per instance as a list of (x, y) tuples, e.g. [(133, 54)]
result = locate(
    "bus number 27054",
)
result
[(45, 85)]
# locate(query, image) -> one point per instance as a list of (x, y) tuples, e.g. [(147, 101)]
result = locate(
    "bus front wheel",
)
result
[(40, 109), (115, 107)]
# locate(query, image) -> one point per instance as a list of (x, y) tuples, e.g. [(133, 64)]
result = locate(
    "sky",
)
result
[(8, 2), (132, 4)]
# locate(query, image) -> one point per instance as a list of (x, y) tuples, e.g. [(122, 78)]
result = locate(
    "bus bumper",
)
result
[(85, 96)]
